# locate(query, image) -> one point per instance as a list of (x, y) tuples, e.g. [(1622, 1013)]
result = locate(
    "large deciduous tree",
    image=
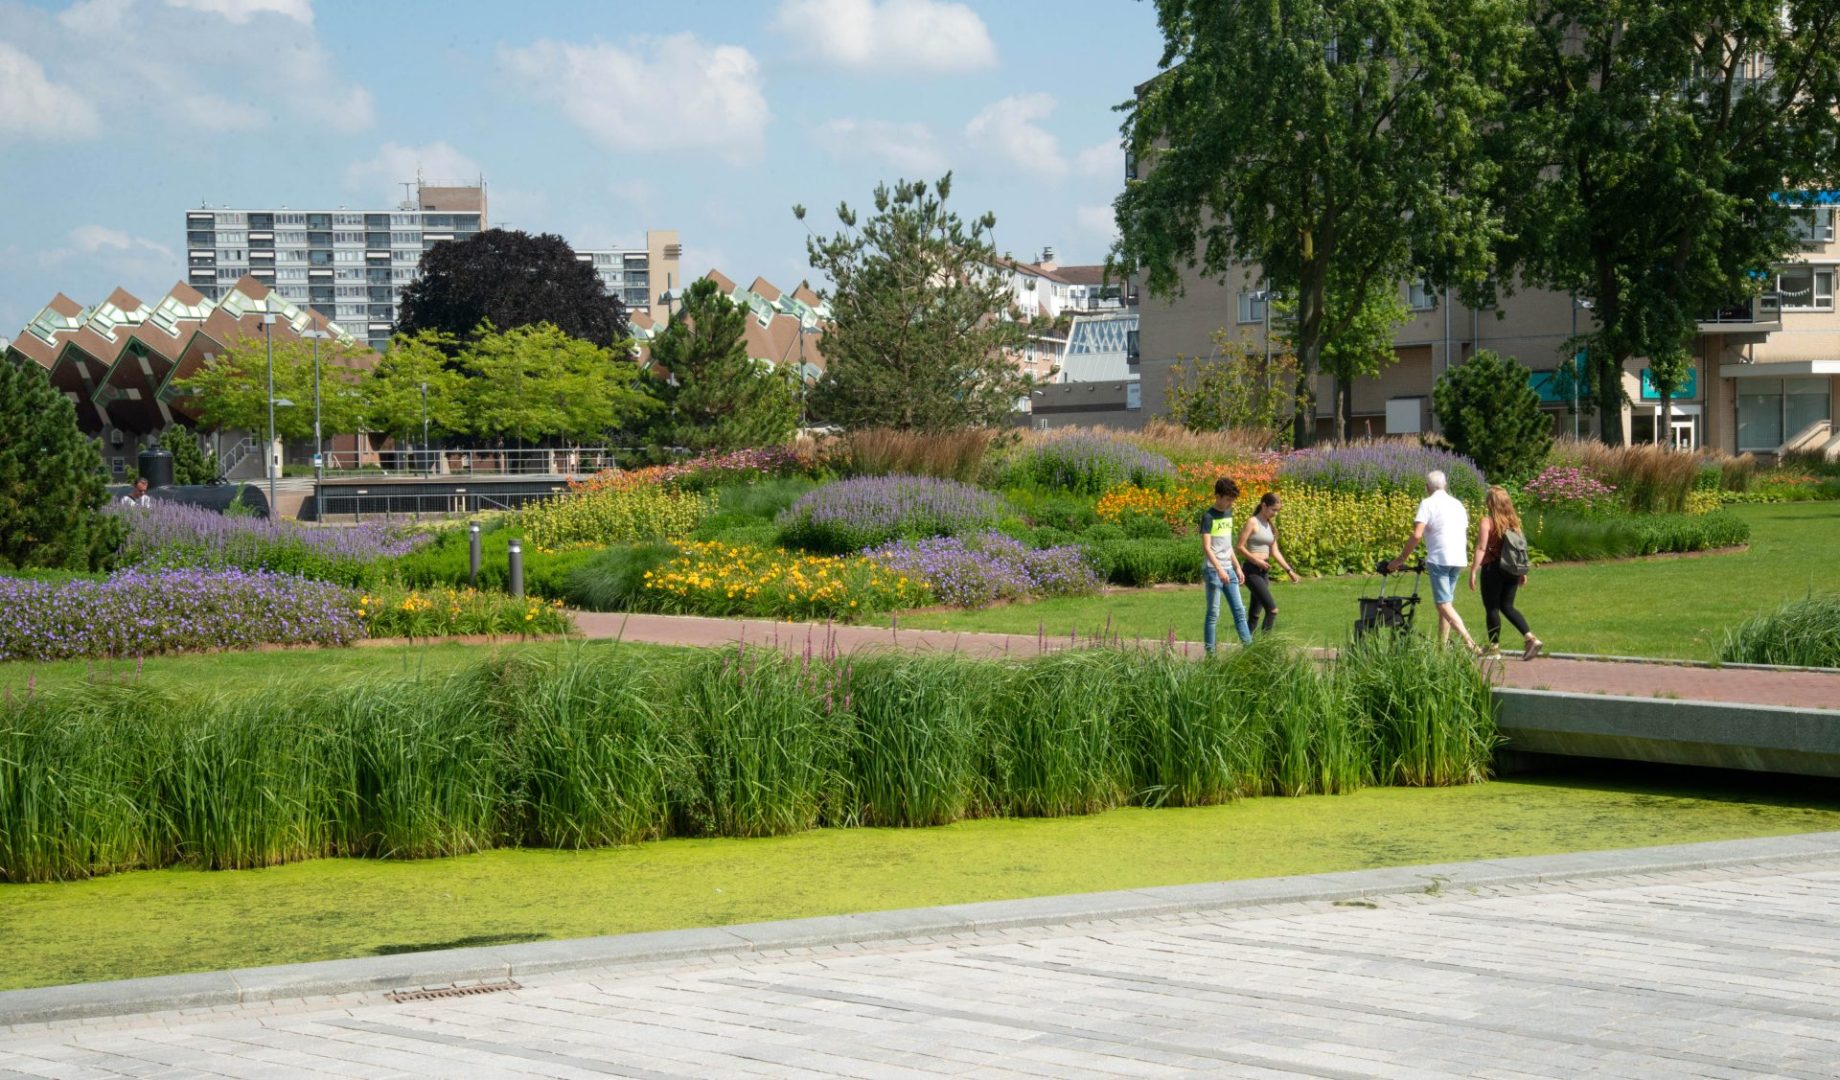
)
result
[(510, 279), (536, 382), (712, 395), (230, 391), (394, 396), (1333, 144), (51, 482), (921, 317), (1655, 148)]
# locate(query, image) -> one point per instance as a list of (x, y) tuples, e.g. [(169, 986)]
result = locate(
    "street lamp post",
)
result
[(268, 451), (314, 335), (425, 423), (1577, 304)]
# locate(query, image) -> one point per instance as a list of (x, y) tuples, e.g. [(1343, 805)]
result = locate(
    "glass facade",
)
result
[(1773, 410)]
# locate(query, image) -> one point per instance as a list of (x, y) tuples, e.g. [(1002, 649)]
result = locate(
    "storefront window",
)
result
[(1804, 402), (1772, 410)]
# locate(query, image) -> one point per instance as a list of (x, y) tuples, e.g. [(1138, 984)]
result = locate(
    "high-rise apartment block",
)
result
[(349, 265), (639, 276)]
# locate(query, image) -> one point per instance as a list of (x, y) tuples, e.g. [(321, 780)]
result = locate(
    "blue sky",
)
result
[(118, 115)]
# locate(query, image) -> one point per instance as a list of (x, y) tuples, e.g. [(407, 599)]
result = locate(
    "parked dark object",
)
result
[(1383, 612), (247, 498), (156, 467)]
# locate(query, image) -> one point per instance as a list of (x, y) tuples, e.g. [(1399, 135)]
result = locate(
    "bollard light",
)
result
[(472, 555), (517, 569)]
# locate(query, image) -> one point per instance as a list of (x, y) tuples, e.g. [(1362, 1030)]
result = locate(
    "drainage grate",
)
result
[(443, 992)]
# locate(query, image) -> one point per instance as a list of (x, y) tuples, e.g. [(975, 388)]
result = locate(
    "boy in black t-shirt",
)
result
[(1220, 571)]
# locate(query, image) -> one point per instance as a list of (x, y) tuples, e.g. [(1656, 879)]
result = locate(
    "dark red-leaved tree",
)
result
[(510, 279)]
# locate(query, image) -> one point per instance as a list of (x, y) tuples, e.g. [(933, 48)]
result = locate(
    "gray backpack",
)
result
[(1514, 560)]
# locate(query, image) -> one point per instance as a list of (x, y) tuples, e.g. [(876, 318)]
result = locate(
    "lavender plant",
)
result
[(985, 568), (1087, 463), (1381, 466), (854, 514), (146, 612), (171, 535)]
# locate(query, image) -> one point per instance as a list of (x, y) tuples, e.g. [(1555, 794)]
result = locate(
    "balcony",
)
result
[(1744, 323)]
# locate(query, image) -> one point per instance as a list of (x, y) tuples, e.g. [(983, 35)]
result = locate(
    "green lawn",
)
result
[(1674, 607), (161, 922)]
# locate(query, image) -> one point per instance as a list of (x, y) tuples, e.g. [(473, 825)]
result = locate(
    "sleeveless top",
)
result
[(1492, 553), (1261, 538)]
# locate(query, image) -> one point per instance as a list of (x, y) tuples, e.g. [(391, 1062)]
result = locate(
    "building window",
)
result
[(405, 219), (1802, 287), (1773, 410), (348, 256), (1251, 306), (232, 217), (1421, 297), (1814, 225)]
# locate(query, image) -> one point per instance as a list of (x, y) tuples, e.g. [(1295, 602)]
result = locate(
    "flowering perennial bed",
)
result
[(171, 535), (728, 579), (1380, 467), (144, 612), (979, 570), (1088, 463), (614, 515), (707, 471), (397, 612), (1569, 489), (851, 515)]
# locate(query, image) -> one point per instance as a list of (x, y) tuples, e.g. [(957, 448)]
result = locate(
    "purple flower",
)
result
[(1089, 462), (1381, 465), (989, 567), (850, 515), (170, 534)]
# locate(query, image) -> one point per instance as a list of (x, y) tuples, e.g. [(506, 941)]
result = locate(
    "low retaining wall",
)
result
[(1717, 734)]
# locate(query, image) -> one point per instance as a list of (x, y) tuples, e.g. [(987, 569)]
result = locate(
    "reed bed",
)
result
[(613, 747)]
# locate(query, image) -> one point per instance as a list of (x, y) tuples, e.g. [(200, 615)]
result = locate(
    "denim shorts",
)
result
[(1443, 582)]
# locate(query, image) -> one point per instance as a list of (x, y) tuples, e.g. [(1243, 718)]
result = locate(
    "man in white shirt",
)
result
[(138, 496), (1442, 525)]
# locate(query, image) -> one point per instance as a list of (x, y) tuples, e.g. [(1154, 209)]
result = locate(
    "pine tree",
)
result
[(51, 480), (713, 395), (190, 464), (1491, 414)]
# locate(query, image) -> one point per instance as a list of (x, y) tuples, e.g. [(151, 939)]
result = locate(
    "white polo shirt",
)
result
[(1446, 525)]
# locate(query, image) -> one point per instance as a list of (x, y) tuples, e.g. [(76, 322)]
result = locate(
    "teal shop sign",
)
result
[(1555, 387), (1686, 390)]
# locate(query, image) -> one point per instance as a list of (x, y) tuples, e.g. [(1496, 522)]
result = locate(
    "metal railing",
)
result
[(231, 458), (334, 504), (1762, 309), (580, 461)]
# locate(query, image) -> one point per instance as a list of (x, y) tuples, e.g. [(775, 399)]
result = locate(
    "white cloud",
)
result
[(241, 11), (33, 106), (910, 147), (1104, 160), (928, 36), (1098, 221), (382, 173), (90, 239), (192, 65), (1007, 132), (672, 93), (117, 257)]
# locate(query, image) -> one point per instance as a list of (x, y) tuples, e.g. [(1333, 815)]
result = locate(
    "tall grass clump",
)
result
[(1055, 747), (1183, 446), (949, 455), (1801, 633), (916, 754), (1190, 733), (1430, 710), (1648, 478)]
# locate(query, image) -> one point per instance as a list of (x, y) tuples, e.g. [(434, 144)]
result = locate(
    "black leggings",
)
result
[(1498, 591), (1258, 583)]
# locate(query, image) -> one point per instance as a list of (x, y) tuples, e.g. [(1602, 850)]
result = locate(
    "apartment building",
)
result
[(1766, 374), (640, 276), (348, 265)]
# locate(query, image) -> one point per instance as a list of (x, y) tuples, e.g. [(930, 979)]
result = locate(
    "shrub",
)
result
[(859, 513), (170, 535), (1049, 509), (1801, 633), (1138, 562), (51, 478), (392, 611), (718, 579), (1332, 532), (1491, 415), (979, 570), (1085, 462), (1573, 538), (949, 455), (444, 562), (613, 515), (1568, 490), (1383, 466), (147, 612), (613, 579)]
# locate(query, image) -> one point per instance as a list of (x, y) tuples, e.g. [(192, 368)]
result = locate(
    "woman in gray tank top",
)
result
[(1258, 549)]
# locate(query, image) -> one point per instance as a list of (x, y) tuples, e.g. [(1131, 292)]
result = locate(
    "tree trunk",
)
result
[(1664, 434), (1344, 413), (1610, 402)]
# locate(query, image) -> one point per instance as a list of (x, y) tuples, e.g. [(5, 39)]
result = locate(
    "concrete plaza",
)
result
[(1726, 971)]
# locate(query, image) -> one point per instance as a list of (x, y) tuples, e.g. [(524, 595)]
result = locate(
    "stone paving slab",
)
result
[(1798, 688), (1726, 970)]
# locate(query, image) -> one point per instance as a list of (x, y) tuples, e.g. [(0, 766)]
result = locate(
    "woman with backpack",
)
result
[(1502, 561)]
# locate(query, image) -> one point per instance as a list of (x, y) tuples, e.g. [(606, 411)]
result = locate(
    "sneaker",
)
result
[(1534, 646), (1492, 652)]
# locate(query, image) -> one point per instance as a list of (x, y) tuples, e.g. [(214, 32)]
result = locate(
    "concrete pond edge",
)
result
[(426, 970)]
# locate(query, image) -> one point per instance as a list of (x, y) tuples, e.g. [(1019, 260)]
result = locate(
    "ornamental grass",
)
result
[(613, 746), (953, 455), (1647, 478), (1801, 633)]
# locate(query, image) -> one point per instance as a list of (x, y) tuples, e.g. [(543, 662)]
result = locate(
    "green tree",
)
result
[(1333, 145), (711, 394), (922, 323), (536, 382), (394, 398), (1235, 389), (51, 480), (1363, 343), (1651, 145), (1492, 415), (191, 465), (229, 392)]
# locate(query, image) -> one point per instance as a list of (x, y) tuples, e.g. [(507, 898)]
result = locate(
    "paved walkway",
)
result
[(1797, 689), (1730, 972)]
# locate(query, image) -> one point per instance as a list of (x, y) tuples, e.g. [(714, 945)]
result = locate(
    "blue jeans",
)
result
[(1212, 583)]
